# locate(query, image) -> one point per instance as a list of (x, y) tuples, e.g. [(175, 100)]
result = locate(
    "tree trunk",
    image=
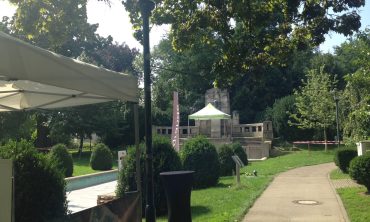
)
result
[(81, 145), (42, 140), (326, 144)]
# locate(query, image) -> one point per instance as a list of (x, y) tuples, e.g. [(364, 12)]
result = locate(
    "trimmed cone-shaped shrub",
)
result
[(165, 159), (343, 157), (225, 153), (101, 157), (239, 151), (359, 170), (39, 186), (199, 155), (61, 159)]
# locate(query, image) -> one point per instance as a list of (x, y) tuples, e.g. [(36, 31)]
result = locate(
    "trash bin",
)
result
[(177, 186)]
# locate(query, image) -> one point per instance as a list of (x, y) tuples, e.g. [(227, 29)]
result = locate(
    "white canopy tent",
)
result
[(31, 77), (34, 78), (209, 112)]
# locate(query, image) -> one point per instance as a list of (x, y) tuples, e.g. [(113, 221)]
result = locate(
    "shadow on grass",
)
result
[(197, 211)]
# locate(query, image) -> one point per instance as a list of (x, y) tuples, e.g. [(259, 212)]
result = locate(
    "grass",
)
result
[(81, 165), (228, 202), (337, 174), (357, 203)]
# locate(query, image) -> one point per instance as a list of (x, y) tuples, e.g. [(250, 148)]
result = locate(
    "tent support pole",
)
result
[(137, 157)]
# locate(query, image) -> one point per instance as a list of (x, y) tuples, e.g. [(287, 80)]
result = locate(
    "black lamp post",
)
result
[(146, 6), (336, 99)]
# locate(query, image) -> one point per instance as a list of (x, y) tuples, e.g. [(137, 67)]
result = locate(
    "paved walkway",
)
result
[(305, 185), (341, 183), (85, 198)]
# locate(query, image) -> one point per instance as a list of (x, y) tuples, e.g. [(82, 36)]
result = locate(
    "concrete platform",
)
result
[(280, 201), (87, 197)]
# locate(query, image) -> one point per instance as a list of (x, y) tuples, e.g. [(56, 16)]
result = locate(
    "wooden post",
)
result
[(238, 174)]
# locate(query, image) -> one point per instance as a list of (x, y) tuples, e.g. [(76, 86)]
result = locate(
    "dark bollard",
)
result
[(177, 186)]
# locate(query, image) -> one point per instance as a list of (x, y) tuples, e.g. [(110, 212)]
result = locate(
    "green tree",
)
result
[(251, 32), (314, 102), (187, 72), (59, 26), (356, 97)]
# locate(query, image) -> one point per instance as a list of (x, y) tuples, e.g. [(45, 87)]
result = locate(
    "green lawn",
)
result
[(227, 202), (337, 174), (81, 165), (357, 204)]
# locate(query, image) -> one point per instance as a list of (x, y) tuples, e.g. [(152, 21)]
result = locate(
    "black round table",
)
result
[(177, 186)]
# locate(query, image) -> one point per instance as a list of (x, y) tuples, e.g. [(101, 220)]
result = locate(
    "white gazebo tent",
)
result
[(209, 112), (34, 78)]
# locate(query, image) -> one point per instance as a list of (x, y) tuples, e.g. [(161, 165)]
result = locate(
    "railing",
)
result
[(183, 131), (258, 130), (248, 130)]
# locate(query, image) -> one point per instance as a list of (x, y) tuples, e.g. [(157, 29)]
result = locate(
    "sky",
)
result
[(115, 21)]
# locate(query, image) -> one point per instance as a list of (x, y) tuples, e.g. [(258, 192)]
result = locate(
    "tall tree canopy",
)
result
[(315, 108), (59, 26), (251, 31), (356, 101)]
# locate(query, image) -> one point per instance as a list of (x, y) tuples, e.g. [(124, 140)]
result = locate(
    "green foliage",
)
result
[(61, 159), (50, 24), (343, 157), (39, 187), (15, 125), (263, 32), (227, 165), (239, 151), (356, 96), (359, 170), (101, 158), (280, 115), (315, 107), (199, 155), (165, 159)]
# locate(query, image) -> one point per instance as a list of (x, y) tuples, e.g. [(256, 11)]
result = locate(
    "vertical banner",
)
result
[(6, 187), (175, 122)]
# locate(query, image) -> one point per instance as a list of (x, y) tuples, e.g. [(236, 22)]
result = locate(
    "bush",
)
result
[(165, 158), (39, 187), (101, 157), (343, 157), (200, 155), (62, 160), (359, 170), (225, 153), (239, 151)]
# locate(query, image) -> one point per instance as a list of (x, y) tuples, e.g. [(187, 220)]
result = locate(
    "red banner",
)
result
[(175, 122)]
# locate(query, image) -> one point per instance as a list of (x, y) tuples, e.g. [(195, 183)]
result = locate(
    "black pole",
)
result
[(337, 118), (146, 7)]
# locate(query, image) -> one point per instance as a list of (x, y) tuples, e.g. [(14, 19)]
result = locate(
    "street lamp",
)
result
[(146, 7), (336, 99)]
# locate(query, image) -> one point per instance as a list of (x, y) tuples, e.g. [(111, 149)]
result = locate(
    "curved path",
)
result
[(306, 185)]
